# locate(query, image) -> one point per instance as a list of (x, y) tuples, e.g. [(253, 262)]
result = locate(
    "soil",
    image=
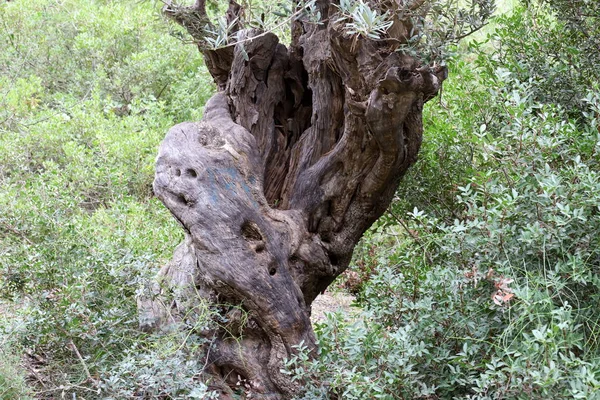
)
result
[(329, 302)]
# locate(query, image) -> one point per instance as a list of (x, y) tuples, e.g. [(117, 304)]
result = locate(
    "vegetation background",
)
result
[(481, 283)]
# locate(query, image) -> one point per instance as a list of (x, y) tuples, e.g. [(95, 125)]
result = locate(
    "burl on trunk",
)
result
[(298, 153)]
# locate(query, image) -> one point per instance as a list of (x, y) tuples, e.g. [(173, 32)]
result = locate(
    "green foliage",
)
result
[(166, 370), (555, 52), (362, 20), (432, 27), (12, 374), (87, 91), (482, 281), (488, 288), (120, 51), (440, 24)]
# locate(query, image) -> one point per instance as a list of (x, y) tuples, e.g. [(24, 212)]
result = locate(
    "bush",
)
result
[(166, 370), (555, 51), (494, 295), (12, 374), (121, 51), (87, 91)]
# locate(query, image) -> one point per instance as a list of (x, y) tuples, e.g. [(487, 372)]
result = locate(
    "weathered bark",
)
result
[(297, 155)]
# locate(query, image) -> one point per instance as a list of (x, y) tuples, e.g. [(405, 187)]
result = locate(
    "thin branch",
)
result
[(472, 31), (16, 232), (401, 222), (37, 376), (68, 387), (415, 4), (82, 361), (412, 235), (200, 6), (162, 90)]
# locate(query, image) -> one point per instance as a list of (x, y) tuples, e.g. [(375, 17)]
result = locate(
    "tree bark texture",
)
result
[(298, 153)]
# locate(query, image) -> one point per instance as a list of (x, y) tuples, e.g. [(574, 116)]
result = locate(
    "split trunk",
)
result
[(298, 153)]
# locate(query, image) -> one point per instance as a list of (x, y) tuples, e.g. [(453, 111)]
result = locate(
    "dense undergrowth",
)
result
[(87, 91), (482, 281), (491, 294)]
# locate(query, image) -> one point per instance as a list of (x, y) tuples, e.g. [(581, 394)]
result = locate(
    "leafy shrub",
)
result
[(494, 296), (120, 51), (555, 51), (12, 375), (87, 90), (167, 371)]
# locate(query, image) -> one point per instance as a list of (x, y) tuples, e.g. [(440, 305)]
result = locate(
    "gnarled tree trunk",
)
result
[(299, 152)]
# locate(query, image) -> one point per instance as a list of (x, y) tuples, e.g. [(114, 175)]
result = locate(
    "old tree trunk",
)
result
[(298, 153)]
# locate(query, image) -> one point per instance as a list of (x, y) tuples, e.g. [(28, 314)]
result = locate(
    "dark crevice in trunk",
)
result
[(297, 155)]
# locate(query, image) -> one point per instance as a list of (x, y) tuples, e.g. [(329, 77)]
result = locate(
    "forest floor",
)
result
[(329, 302)]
